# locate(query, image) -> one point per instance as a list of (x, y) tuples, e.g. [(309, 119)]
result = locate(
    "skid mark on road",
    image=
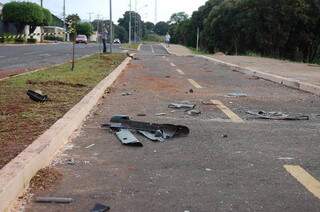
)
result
[(306, 179), (180, 71), (234, 117), (194, 83)]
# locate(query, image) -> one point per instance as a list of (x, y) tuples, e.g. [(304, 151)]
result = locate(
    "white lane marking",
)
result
[(172, 64), (180, 71), (44, 55), (29, 53), (194, 83), (152, 50)]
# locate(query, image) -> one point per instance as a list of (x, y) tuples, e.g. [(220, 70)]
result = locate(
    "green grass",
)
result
[(130, 46), (23, 120), (201, 52)]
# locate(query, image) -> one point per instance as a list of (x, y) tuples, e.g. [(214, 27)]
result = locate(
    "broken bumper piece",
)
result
[(155, 132)]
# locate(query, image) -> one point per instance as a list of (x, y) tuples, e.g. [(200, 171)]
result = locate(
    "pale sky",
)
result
[(146, 8)]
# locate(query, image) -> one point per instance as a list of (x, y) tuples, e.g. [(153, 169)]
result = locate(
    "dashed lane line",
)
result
[(194, 83), (152, 50), (234, 117), (173, 65), (180, 71), (306, 179)]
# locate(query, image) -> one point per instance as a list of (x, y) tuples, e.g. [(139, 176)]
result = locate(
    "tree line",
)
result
[(288, 29)]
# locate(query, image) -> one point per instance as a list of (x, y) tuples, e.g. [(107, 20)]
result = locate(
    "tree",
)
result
[(161, 28), (149, 26), (135, 21), (73, 18), (47, 17), (179, 17), (25, 13), (84, 29), (121, 33)]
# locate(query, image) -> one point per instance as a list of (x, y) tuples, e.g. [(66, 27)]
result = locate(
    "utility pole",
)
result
[(111, 30), (41, 27), (156, 12), (41, 3), (66, 37), (198, 38), (130, 24)]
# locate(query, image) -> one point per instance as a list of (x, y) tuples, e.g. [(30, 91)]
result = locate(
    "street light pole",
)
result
[(111, 27)]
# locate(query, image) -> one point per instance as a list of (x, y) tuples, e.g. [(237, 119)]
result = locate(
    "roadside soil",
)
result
[(23, 120)]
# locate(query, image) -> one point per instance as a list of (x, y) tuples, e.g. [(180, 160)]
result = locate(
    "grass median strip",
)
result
[(23, 120)]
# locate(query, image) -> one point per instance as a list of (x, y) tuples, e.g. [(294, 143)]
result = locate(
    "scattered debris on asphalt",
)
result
[(37, 97), (194, 112), (278, 116), (191, 91), (100, 208), (61, 200), (254, 78), (160, 114), (168, 76), (45, 179), (182, 105), (224, 136), (141, 114), (71, 161), (91, 145), (155, 132), (236, 94), (208, 170), (127, 138), (126, 94), (207, 103), (285, 158)]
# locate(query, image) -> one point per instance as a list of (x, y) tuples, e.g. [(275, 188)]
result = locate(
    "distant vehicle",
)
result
[(117, 41), (82, 39)]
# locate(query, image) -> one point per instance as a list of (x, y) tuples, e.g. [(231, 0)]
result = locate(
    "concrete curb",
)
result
[(16, 175), (289, 82)]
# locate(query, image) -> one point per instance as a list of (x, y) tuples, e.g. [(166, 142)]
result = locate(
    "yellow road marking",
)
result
[(194, 83), (180, 71), (306, 179), (234, 117), (172, 64)]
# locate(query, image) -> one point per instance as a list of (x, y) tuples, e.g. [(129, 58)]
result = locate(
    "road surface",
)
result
[(17, 59), (229, 162)]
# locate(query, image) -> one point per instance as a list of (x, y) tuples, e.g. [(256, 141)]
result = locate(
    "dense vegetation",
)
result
[(26, 13), (277, 28)]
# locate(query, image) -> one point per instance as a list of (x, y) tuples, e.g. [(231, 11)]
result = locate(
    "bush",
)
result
[(1, 39), (53, 38), (32, 40), (19, 40)]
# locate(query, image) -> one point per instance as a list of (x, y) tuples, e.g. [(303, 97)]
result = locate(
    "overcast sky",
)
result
[(101, 7)]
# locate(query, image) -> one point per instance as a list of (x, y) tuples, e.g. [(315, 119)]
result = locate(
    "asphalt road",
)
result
[(21, 58), (229, 162)]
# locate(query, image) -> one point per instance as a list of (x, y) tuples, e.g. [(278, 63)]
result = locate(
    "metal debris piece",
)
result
[(278, 116), (128, 139), (100, 208), (224, 136), (91, 145), (168, 130), (194, 112), (71, 161), (191, 91), (53, 200), (182, 105), (126, 94), (141, 114), (236, 94), (37, 96), (157, 136)]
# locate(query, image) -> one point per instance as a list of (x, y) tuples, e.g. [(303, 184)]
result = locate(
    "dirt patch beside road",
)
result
[(23, 120)]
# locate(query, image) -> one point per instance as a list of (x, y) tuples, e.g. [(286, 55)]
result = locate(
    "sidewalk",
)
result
[(279, 70)]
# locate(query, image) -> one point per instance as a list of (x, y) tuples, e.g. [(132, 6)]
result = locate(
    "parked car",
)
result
[(117, 41), (82, 39)]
